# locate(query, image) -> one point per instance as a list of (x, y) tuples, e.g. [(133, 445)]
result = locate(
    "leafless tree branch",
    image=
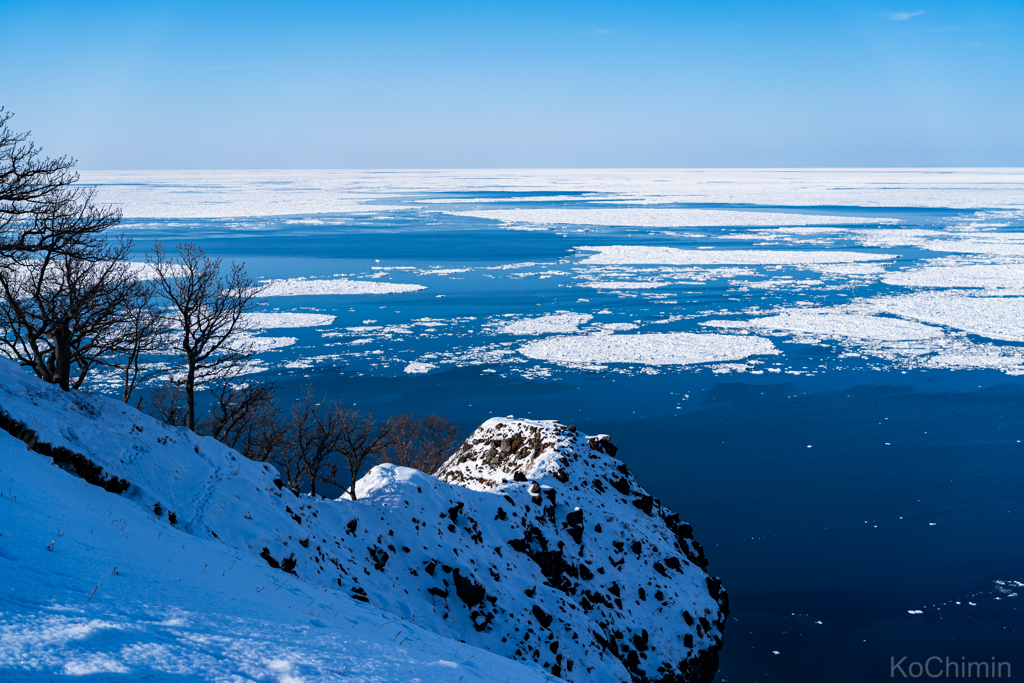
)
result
[(209, 313)]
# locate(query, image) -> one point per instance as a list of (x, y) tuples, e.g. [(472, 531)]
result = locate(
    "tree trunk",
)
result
[(312, 486), (62, 359), (190, 399), (355, 475)]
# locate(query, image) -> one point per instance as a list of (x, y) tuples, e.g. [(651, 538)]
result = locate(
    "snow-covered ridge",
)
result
[(535, 544)]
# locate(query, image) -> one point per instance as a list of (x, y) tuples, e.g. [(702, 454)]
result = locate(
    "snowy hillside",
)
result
[(184, 558)]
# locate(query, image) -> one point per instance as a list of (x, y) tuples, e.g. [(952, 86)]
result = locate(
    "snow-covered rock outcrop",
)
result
[(623, 570), (534, 544)]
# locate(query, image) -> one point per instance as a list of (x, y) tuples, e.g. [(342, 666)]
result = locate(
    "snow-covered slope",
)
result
[(536, 545)]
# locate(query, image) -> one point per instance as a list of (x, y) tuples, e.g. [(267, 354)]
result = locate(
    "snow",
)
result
[(279, 320), (556, 323), (630, 255), (169, 604), (675, 348), (304, 287), (419, 579), (659, 218)]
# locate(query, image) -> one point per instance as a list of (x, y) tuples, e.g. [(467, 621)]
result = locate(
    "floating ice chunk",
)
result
[(145, 271), (558, 323), (304, 287), (514, 266), (993, 245), (965, 355), (443, 271), (726, 368), (617, 327), (622, 254), (275, 320), (418, 368), (1009, 276), (676, 348), (848, 269), (505, 200), (262, 344), (992, 317), (625, 285), (834, 325), (660, 218)]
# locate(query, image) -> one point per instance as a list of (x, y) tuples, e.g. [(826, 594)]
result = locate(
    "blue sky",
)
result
[(150, 85)]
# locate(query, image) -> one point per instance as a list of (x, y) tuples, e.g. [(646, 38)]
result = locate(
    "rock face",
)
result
[(611, 556), (534, 542)]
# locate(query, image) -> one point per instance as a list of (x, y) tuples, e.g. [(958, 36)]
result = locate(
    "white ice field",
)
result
[(896, 269)]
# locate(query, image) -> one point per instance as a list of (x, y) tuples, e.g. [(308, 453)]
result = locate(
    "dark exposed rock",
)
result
[(645, 503), (69, 461), (380, 558), (621, 485), (270, 560), (468, 590)]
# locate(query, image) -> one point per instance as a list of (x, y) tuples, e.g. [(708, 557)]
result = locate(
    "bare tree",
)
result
[(421, 443), (266, 439), (289, 465), (144, 337), (63, 315), (209, 312), (167, 402), (241, 415), (361, 440), (34, 190), (64, 288), (311, 439)]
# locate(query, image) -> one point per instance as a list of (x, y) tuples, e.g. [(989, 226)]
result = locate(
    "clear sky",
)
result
[(383, 84)]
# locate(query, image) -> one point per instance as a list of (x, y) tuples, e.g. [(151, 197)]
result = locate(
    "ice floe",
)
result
[(640, 284), (992, 317), (661, 218), (264, 344), (674, 348), (557, 323), (184, 194), (277, 320), (624, 254), (305, 287), (829, 324), (982, 276), (417, 368)]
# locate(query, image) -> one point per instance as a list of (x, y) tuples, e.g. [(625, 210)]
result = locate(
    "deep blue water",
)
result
[(830, 502)]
